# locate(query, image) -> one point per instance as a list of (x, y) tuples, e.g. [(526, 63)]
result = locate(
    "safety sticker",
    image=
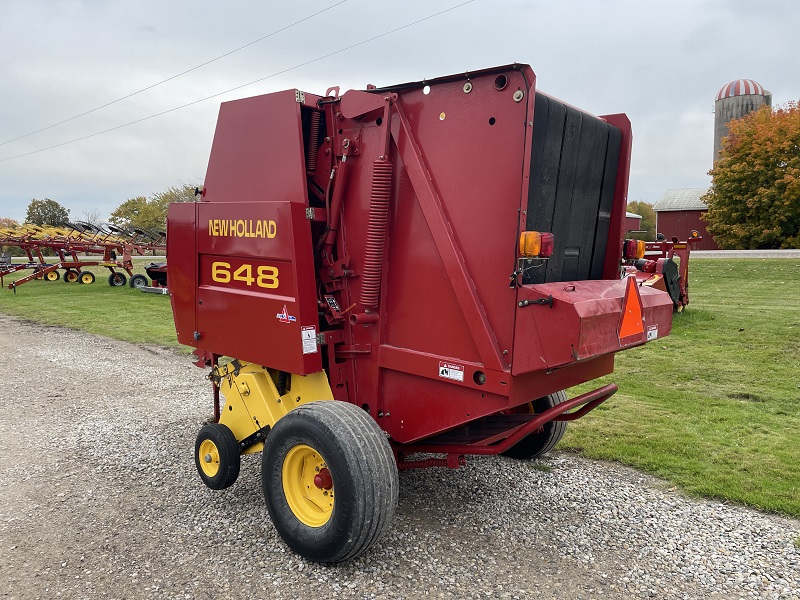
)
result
[(285, 317), (451, 371), (309, 337), (652, 332)]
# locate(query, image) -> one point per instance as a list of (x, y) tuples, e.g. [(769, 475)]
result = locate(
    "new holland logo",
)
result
[(285, 317)]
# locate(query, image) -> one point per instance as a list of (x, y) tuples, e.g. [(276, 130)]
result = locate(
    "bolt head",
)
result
[(207, 458)]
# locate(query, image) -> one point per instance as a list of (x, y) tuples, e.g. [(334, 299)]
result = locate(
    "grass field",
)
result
[(714, 408), (122, 312)]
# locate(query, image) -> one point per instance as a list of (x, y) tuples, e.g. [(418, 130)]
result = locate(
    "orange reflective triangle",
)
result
[(631, 323)]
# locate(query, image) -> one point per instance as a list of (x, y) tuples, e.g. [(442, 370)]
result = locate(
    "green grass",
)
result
[(714, 408), (123, 313)]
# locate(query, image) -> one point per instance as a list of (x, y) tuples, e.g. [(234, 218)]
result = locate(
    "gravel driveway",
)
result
[(101, 500)]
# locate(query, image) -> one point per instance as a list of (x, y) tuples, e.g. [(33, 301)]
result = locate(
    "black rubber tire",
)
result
[(363, 470), (227, 453), (538, 443), (117, 280), (52, 276), (70, 276), (139, 281), (86, 277)]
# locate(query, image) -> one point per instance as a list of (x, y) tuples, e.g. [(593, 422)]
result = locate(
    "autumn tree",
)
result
[(648, 223), (46, 212), (754, 200), (150, 213), (9, 223)]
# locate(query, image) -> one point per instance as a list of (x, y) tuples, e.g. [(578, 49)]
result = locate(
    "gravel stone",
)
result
[(101, 500)]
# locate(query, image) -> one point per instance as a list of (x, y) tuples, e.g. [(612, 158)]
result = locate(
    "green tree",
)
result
[(46, 212), (648, 223), (151, 213), (754, 200)]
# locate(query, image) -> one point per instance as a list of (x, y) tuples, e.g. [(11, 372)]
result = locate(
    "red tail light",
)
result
[(548, 245)]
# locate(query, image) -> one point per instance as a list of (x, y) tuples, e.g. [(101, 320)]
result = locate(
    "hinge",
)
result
[(321, 339), (310, 214), (300, 96)]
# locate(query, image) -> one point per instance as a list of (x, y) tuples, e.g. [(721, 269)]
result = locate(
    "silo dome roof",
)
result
[(740, 87)]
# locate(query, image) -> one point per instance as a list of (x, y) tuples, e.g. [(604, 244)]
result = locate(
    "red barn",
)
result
[(633, 222), (678, 212)]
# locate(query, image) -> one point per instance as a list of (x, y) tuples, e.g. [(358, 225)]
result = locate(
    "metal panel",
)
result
[(256, 294), (182, 269), (258, 153)]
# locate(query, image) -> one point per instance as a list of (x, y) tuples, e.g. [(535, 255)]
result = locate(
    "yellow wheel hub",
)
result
[(209, 458), (311, 501), (86, 278), (52, 276)]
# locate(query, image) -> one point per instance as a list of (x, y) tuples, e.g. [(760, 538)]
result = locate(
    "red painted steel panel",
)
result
[(616, 234), (182, 268), (257, 153), (679, 223), (254, 280), (585, 317)]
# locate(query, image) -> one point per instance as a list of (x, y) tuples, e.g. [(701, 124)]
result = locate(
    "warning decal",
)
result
[(652, 332), (309, 337), (451, 371)]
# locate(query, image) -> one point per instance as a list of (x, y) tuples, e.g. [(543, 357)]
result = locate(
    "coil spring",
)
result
[(376, 233), (313, 143)]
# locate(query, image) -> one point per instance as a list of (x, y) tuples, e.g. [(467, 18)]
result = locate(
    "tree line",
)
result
[(141, 212), (753, 202)]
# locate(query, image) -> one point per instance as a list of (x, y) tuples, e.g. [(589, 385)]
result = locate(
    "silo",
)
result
[(734, 101)]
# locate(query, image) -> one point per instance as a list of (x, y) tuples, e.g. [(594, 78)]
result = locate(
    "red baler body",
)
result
[(447, 341)]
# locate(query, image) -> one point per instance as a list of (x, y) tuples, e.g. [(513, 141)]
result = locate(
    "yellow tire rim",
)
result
[(310, 502), (209, 458), (51, 276), (85, 278), (71, 277)]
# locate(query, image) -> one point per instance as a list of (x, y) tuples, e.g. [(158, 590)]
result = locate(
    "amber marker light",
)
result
[(533, 244)]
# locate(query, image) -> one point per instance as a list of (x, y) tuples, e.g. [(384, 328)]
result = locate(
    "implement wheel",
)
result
[(70, 276), (52, 276), (117, 279), (216, 456), (86, 277), (539, 442), (139, 281), (330, 480)]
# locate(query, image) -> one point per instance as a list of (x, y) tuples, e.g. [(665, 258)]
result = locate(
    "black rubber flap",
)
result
[(574, 163)]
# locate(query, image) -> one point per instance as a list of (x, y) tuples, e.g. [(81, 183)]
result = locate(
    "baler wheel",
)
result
[(330, 480), (70, 276), (216, 456), (539, 442), (86, 277), (52, 276), (117, 279), (139, 281)]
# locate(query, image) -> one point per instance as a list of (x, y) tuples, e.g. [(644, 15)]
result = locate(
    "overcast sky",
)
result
[(662, 63)]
